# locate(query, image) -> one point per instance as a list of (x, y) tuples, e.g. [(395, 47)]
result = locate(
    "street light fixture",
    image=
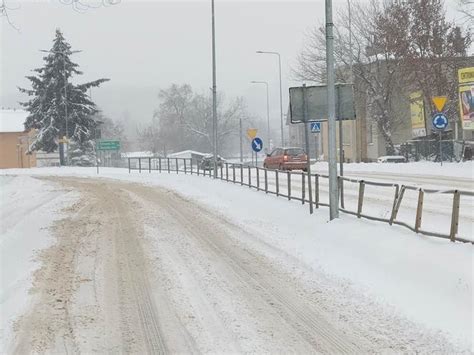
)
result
[(268, 109), (281, 96)]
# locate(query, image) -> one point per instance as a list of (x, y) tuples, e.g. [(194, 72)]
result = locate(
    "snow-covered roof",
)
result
[(12, 120), (143, 154), (185, 154)]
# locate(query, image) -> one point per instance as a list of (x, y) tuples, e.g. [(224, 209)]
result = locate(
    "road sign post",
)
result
[(440, 121), (257, 146), (308, 162), (439, 102), (251, 133), (320, 106), (108, 145), (315, 127)]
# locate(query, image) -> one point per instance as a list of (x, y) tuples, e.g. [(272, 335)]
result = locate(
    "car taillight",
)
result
[(285, 158)]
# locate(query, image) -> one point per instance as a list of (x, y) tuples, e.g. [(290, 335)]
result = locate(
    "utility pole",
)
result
[(214, 91), (341, 145), (306, 138), (281, 94), (241, 142), (281, 102), (332, 165), (268, 109)]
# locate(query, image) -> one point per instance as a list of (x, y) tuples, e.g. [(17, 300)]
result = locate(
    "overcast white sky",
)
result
[(143, 46)]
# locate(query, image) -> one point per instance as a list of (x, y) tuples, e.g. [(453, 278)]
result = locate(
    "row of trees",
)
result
[(183, 120), (392, 46)]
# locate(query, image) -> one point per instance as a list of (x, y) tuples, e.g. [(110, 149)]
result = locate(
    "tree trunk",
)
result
[(389, 146), (386, 135), (62, 161)]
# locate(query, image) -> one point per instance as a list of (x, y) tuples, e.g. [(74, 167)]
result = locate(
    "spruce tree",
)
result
[(57, 107)]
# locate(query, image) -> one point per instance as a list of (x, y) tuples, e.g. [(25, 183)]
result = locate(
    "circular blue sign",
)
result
[(440, 121), (257, 144)]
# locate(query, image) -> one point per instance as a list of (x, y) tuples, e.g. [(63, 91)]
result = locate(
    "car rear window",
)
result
[(294, 151)]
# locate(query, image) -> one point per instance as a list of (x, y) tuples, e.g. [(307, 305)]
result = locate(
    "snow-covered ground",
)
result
[(28, 207), (448, 169), (425, 280)]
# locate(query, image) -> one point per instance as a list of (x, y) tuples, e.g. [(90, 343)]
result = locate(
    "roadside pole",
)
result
[(440, 121), (440, 149), (241, 143), (341, 146), (332, 165), (96, 157), (306, 138), (97, 149), (214, 91)]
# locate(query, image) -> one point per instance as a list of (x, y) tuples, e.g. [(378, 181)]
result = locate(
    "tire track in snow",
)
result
[(254, 273)]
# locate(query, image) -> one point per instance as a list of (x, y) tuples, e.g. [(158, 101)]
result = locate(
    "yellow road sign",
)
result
[(439, 102), (252, 133)]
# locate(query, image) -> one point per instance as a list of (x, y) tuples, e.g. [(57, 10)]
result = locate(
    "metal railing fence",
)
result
[(286, 183)]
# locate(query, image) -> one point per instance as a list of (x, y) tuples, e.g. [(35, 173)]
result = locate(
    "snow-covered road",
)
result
[(182, 265)]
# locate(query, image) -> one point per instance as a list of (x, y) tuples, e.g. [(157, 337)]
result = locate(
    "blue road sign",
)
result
[(257, 144), (315, 127), (440, 121)]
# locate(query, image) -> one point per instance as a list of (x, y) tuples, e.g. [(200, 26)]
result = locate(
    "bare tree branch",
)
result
[(4, 12), (82, 6), (77, 5)]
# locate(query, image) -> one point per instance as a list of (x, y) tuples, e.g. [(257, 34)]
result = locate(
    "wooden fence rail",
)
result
[(186, 165)]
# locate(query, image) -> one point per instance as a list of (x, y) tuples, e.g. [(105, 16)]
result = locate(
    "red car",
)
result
[(286, 159)]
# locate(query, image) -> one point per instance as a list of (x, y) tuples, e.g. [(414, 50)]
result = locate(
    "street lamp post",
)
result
[(281, 95), (268, 110), (332, 165), (214, 91)]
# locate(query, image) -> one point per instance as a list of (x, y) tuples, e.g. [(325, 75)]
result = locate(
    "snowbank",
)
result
[(27, 208)]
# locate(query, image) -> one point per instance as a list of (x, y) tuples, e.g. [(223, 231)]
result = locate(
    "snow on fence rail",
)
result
[(295, 186)]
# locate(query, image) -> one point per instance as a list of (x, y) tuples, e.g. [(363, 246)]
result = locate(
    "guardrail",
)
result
[(282, 181)]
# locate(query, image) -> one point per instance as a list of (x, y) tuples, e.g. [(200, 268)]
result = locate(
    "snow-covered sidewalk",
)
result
[(426, 280), (28, 207)]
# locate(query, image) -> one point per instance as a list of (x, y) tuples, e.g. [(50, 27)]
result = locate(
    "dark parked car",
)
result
[(207, 162), (286, 159)]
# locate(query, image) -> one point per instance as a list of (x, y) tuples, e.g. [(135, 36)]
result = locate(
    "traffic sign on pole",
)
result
[(440, 121), (108, 145), (252, 133), (257, 144), (439, 102), (315, 127)]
